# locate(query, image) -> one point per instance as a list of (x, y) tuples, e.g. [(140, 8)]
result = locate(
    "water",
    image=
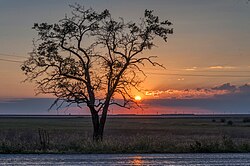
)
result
[(218, 159)]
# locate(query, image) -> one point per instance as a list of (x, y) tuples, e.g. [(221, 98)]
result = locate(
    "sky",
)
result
[(207, 59)]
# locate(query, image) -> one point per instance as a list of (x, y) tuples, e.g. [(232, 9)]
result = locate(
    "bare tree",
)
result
[(90, 58)]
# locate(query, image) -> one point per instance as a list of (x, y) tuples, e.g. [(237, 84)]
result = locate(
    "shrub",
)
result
[(222, 120), (245, 120), (230, 123)]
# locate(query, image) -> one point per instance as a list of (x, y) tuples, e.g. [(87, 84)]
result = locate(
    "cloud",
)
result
[(186, 93), (33, 106), (191, 69), (233, 99), (224, 89), (222, 67), (226, 86), (25, 106), (154, 93), (181, 79), (245, 88)]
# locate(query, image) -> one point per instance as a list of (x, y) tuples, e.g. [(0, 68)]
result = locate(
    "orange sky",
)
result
[(209, 47)]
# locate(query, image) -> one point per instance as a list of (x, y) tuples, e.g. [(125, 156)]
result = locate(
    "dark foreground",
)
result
[(218, 159), (126, 135)]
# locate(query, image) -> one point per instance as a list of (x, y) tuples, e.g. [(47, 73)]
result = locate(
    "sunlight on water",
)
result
[(236, 159), (137, 161)]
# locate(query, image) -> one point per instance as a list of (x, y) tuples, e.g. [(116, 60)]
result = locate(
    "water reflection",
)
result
[(233, 159), (137, 161)]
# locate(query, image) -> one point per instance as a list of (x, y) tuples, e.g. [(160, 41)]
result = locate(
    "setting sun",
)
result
[(138, 98)]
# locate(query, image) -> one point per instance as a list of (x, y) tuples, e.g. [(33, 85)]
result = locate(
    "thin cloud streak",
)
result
[(222, 67)]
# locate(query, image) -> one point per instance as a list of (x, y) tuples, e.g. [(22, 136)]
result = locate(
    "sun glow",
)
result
[(138, 98)]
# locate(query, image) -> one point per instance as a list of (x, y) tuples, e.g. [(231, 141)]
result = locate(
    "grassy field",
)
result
[(125, 135)]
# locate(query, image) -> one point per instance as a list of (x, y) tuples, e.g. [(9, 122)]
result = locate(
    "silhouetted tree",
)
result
[(92, 58)]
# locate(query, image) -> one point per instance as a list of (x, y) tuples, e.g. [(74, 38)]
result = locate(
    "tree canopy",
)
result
[(92, 58)]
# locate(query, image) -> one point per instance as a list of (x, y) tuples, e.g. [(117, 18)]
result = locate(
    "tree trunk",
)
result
[(99, 125), (96, 124)]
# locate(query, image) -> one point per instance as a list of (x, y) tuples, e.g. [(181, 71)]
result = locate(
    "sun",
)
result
[(138, 98)]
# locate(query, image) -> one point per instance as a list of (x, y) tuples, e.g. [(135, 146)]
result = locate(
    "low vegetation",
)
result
[(124, 135)]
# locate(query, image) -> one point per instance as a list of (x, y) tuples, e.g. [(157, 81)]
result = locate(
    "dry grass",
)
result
[(124, 135)]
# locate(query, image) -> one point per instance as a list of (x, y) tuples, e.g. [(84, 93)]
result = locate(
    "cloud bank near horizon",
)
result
[(225, 98), (198, 93)]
